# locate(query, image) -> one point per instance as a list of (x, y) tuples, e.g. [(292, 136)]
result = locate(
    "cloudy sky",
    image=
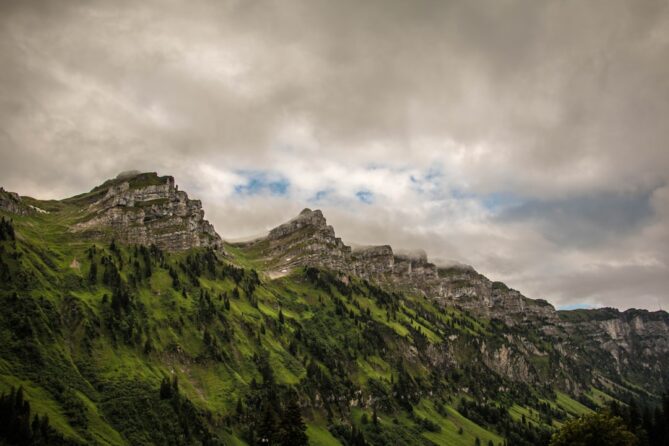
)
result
[(528, 139)]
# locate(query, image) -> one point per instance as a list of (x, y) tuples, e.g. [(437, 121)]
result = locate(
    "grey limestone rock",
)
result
[(148, 209)]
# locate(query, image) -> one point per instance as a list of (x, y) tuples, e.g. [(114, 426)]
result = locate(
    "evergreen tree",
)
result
[(93, 273), (240, 409), (165, 389), (293, 430), (17, 427), (6, 230), (268, 426)]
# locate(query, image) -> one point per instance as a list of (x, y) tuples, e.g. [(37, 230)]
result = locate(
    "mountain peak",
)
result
[(145, 208), (304, 220), (314, 217)]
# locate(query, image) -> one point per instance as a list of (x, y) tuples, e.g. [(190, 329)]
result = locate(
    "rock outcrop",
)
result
[(307, 240), (634, 341), (11, 202), (146, 209)]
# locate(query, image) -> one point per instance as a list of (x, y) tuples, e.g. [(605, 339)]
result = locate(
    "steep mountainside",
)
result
[(613, 337), (307, 240), (145, 209), (127, 321)]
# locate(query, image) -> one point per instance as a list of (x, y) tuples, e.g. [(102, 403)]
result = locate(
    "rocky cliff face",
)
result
[(11, 202), (308, 240), (146, 209), (631, 344), (633, 341)]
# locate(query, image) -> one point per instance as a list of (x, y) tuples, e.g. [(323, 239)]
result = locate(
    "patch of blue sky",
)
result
[(429, 182), (258, 183), (497, 201), (365, 196), (321, 195)]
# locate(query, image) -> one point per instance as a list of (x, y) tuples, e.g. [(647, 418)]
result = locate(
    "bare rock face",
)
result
[(635, 341), (11, 202), (307, 240), (146, 209)]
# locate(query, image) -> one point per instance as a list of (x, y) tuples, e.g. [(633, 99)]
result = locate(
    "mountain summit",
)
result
[(145, 208)]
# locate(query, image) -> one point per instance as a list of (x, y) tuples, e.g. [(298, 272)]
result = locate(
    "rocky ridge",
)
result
[(308, 240), (634, 341), (146, 209)]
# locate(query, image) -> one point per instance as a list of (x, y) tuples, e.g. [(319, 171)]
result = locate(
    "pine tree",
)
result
[(293, 430), (267, 429), (93, 273), (165, 389), (240, 409)]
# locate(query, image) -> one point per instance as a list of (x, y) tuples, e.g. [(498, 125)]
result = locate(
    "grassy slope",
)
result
[(48, 251)]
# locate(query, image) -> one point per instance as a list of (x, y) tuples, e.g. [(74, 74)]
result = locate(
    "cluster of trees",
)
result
[(5, 272), (496, 416), (594, 429), (270, 413), (6, 229), (164, 416), (348, 435), (198, 263), (649, 424), (249, 283), (618, 425), (406, 388), (18, 427), (6, 234)]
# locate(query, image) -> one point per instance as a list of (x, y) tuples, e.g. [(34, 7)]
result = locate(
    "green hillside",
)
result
[(130, 345)]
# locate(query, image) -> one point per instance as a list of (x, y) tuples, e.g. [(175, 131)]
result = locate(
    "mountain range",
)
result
[(127, 320)]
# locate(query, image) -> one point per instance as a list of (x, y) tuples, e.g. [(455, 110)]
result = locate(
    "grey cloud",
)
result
[(587, 219), (561, 104)]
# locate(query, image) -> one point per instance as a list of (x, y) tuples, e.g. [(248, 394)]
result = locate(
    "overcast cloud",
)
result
[(528, 139)]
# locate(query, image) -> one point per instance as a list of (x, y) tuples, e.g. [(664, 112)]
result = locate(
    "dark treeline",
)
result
[(650, 424), (271, 413), (6, 229), (618, 425), (19, 427)]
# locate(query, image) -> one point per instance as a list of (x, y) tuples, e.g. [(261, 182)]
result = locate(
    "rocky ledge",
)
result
[(307, 240), (145, 208), (11, 202)]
